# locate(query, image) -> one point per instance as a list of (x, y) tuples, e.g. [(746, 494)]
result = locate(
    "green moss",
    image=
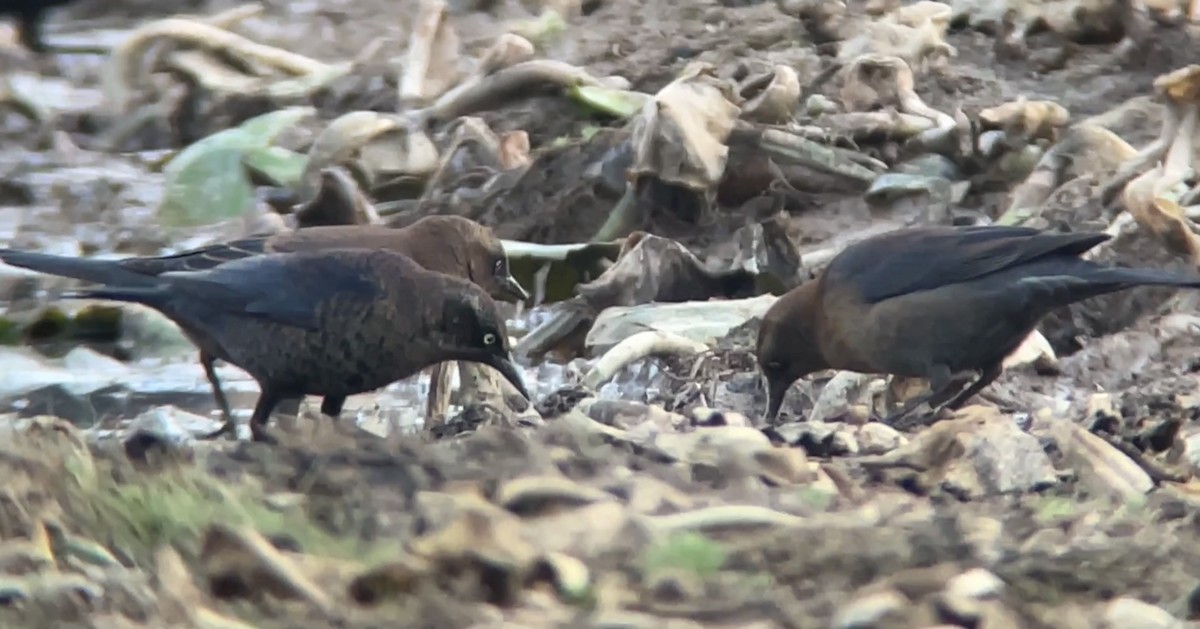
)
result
[(691, 553), (136, 516)]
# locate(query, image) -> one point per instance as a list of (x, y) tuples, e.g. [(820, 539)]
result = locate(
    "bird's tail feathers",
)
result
[(1148, 277), (86, 269), (146, 295)]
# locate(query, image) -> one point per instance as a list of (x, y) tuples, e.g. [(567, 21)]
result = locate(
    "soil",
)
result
[(1062, 552)]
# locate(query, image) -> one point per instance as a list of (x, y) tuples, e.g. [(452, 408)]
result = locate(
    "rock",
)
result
[(843, 390), (1130, 613), (979, 452), (529, 496), (704, 416), (878, 438), (646, 494), (711, 445), (784, 466), (171, 425), (821, 439), (626, 414), (998, 458), (1100, 466), (1192, 447), (976, 583), (703, 321), (872, 610), (584, 533)]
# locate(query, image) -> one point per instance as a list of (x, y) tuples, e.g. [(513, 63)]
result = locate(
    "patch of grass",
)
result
[(1055, 508), (138, 515), (691, 553), (816, 498)]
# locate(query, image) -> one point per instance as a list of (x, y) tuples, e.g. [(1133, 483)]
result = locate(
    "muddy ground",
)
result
[(1057, 508)]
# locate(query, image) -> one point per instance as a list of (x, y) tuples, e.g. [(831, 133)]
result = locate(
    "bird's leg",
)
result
[(940, 380), (29, 28), (210, 371), (986, 377), (332, 405), (438, 402), (267, 401)]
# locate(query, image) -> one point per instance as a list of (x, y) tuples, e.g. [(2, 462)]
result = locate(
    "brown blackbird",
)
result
[(449, 244), (332, 323), (934, 302)]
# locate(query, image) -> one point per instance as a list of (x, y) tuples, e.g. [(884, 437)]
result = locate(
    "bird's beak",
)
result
[(776, 390), (510, 371), (513, 289)]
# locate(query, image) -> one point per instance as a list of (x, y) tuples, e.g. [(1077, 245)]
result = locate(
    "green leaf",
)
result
[(619, 103), (207, 181), (282, 167), (263, 129), (211, 186)]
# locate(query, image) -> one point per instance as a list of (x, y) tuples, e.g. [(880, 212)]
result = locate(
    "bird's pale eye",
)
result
[(489, 339)]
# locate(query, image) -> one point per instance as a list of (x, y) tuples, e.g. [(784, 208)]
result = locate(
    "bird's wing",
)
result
[(201, 258), (289, 289), (908, 261)]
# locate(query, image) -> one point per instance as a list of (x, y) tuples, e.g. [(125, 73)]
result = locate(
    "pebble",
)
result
[(870, 610), (1130, 613), (878, 438)]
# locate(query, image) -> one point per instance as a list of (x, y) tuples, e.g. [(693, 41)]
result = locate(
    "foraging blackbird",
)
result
[(332, 323), (30, 14), (449, 244), (934, 302)]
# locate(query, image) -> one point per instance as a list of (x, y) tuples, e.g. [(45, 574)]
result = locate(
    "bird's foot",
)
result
[(228, 428), (261, 434), (909, 421)]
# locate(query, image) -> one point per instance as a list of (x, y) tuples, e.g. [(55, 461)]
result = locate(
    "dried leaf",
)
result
[(680, 134)]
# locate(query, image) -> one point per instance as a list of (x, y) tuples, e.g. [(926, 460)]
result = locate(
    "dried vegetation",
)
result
[(657, 168)]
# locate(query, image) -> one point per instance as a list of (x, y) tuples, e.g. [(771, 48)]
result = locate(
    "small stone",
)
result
[(959, 611), (783, 466), (1192, 447), (878, 438), (871, 610), (1102, 405), (844, 443), (711, 444), (976, 584), (997, 456), (171, 425), (1130, 613)]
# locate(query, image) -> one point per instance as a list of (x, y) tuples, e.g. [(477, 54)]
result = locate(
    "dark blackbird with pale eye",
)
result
[(934, 302), (332, 323), (452, 245), (30, 15)]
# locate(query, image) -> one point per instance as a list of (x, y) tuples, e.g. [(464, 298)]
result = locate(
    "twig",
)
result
[(636, 347)]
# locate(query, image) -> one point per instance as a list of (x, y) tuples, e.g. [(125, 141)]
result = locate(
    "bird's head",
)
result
[(787, 348), (472, 329), (462, 247), (490, 268)]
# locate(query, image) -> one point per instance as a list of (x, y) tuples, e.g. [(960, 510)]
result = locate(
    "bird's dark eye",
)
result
[(774, 365), (489, 339), (499, 267)]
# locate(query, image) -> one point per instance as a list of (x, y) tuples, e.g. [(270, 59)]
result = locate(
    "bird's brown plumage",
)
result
[(452, 245), (934, 302), (332, 323), (448, 244)]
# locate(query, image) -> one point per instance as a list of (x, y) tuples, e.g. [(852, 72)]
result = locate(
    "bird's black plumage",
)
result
[(332, 323)]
